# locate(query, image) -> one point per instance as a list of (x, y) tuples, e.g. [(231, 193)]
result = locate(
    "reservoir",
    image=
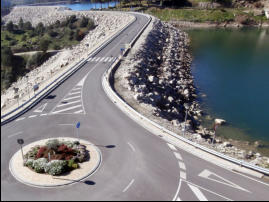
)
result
[(231, 73)]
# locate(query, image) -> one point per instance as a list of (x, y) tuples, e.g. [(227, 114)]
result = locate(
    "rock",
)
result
[(175, 123), (258, 155), (257, 144), (227, 144), (220, 121)]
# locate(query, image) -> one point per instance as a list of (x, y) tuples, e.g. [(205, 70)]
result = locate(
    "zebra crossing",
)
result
[(71, 103), (102, 59)]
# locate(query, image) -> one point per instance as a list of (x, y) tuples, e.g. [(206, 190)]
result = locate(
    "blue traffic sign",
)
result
[(78, 124)]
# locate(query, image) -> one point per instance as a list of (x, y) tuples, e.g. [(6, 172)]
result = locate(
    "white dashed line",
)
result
[(33, 116), (43, 114), (182, 165), (15, 134), (178, 156), (172, 147), (130, 184), (183, 175), (198, 193), (132, 147), (20, 119)]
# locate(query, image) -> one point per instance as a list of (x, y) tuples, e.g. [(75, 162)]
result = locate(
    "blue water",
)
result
[(232, 68), (89, 6)]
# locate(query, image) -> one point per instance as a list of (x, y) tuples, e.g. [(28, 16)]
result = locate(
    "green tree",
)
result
[(21, 24), (84, 22), (6, 56), (44, 45), (28, 26), (40, 29), (10, 26)]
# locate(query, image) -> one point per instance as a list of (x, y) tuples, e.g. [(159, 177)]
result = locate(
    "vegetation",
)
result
[(24, 37), (56, 157)]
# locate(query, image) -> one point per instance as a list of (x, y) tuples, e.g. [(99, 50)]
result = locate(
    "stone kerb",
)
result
[(29, 177)]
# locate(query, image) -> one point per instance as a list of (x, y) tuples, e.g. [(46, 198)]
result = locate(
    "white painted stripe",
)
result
[(182, 165), (33, 116), (89, 59), (183, 175), (110, 59), (178, 156), (43, 114), (97, 59), (15, 134), (130, 184), (74, 93), (63, 110), (198, 193), (69, 103), (177, 192), (178, 199), (20, 119), (70, 98), (66, 124), (106, 59), (172, 147), (102, 59), (132, 147), (77, 112)]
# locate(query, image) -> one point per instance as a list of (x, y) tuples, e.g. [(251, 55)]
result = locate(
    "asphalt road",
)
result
[(136, 164)]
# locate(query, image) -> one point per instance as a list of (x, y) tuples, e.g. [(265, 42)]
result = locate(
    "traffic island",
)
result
[(55, 162)]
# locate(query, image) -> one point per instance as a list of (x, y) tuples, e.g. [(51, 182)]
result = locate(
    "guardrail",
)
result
[(54, 84), (106, 83)]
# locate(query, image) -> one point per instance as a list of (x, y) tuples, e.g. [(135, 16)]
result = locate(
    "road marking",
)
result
[(106, 59), (74, 90), (208, 190), (20, 119), (178, 199), (182, 165), (41, 108), (178, 156), (66, 124), (15, 134), (89, 59), (132, 147), (74, 93), (77, 112), (172, 147), (206, 174), (183, 175), (72, 98), (102, 59), (33, 116), (177, 192), (66, 109), (69, 103), (97, 59), (43, 114), (129, 185), (110, 59), (198, 193)]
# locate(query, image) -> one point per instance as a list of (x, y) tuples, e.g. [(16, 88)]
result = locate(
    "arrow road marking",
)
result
[(41, 108), (206, 174), (198, 193)]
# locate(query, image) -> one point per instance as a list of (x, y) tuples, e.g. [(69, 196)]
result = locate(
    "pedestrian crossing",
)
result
[(71, 103), (101, 59)]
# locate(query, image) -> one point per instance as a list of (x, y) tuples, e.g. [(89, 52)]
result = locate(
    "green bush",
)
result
[(40, 164), (29, 163), (56, 167), (53, 144)]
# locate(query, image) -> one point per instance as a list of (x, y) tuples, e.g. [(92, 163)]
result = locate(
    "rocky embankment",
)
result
[(156, 80), (107, 23)]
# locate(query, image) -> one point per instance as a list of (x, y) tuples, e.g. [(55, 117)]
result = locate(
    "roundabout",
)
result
[(29, 177)]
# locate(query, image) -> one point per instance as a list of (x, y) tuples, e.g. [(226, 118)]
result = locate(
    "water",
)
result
[(89, 6), (231, 67)]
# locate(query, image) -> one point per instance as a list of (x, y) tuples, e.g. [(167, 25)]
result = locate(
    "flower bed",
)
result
[(56, 157)]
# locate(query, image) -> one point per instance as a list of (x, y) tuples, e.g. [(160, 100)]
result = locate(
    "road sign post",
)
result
[(77, 126), (20, 142)]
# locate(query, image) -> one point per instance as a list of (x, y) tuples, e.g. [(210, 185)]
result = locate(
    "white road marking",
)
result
[(89, 59), (207, 190), (75, 90), (15, 134), (182, 165), (70, 98), (172, 147), (129, 185), (178, 199), (74, 93), (178, 188), (206, 174), (106, 59), (33, 116), (97, 59), (20, 119), (110, 59), (43, 114), (66, 109), (69, 103), (198, 193), (102, 59), (183, 175), (132, 147), (66, 124), (178, 156), (41, 108), (77, 112)]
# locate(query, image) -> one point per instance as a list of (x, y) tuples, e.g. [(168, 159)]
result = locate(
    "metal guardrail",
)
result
[(63, 77), (106, 78)]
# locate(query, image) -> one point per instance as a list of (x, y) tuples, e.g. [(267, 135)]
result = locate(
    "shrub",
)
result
[(41, 152), (84, 22), (40, 164), (29, 163), (56, 167), (53, 144)]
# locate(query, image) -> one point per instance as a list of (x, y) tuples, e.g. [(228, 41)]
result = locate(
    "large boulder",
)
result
[(220, 121)]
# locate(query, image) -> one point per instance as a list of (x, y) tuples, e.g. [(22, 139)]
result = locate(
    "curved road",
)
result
[(136, 164)]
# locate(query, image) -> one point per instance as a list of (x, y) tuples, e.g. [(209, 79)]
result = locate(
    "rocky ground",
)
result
[(155, 79), (107, 24)]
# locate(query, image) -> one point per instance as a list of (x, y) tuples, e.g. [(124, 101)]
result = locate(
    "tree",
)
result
[(44, 45), (40, 29), (21, 24), (10, 26), (28, 26), (84, 22), (6, 56)]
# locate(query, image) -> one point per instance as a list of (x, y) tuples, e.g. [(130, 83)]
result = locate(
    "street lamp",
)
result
[(187, 107)]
